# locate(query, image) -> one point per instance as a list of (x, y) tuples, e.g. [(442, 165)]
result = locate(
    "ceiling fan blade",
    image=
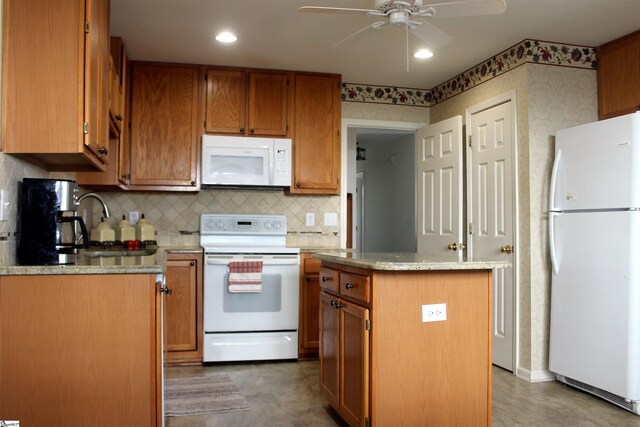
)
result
[(464, 8), (433, 36), (321, 9), (357, 34)]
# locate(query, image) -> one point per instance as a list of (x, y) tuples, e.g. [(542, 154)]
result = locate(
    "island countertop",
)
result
[(406, 261)]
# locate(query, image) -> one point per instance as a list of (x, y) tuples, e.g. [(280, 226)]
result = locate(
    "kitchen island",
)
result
[(405, 339), (81, 344)]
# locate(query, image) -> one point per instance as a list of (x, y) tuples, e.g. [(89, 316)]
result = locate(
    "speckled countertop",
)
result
[(149, 264), (409, 261)]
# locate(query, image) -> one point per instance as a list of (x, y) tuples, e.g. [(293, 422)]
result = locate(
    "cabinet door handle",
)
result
[(333, 303), (193, 183), (251, 130), (192, 263), (166, 290), (298, 184), (103, 150), (241, 130), (119, 117), (338, 305), (349, 286), (326, 279)]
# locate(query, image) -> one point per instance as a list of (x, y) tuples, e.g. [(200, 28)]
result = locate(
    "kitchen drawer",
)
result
[(355, 286), (329, 279), (311, 266)]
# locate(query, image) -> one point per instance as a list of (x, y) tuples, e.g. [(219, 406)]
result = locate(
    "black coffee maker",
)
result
[(50, 222)]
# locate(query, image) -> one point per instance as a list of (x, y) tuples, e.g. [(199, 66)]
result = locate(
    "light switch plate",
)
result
[(330, 219), (134, 216), (310, 219), (4, 205), (434, 312)]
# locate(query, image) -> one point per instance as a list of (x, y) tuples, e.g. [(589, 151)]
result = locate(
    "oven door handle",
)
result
[(265, 262)]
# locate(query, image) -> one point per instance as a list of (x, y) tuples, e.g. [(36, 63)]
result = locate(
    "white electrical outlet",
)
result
[(310, 219), (330, 219), (434, 312), (134, 216)]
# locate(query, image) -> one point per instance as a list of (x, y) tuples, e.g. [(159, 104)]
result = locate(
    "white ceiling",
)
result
[(273, 34)]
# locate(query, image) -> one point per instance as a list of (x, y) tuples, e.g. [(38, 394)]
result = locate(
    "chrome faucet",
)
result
[(105, 209)]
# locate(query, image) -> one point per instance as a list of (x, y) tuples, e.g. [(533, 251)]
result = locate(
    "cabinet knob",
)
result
[(333, 303), (251, 130), (166, 290), (193, 183), (349, 286), (326, 279), (506, 249), (298, 184), (338, 305), (192, 263), (103, 150), (119, 117), (241, 130)]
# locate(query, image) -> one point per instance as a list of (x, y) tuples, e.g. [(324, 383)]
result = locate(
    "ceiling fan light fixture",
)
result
[(226, 37), (423, 54)]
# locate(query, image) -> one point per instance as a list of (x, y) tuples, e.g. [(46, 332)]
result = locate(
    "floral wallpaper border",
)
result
[(527, 51)]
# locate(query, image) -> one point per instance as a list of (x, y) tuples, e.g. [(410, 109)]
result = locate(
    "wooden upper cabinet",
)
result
[(226, 102), (111, 122), (52, 79), (164, 137), (245, 103), (316, 142), (619, 76), (267, 105)]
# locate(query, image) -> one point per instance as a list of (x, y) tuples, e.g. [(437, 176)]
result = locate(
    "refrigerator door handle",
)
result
[(552, 242), (554, 178)]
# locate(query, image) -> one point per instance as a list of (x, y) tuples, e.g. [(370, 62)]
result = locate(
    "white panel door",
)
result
[(439, 187), (490, 213)]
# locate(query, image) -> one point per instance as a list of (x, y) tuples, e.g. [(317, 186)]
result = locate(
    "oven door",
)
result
[(275, 308)]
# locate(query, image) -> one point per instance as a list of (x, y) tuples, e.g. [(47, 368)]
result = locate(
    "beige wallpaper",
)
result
[(549, 99), (391, 113)]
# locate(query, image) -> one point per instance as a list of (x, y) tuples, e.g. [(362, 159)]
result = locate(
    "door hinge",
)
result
[(367, 325), (204, 124), (470, 145), (367, 423), (470, 228), (85, 128), (86, 26)]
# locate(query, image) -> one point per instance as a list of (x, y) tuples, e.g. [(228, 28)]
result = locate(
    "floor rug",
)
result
[(202, 395)]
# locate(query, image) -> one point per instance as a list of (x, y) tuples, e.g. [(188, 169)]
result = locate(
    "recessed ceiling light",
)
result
[(226, 37), (423, 54)]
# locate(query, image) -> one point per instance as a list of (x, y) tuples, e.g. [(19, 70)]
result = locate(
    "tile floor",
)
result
[(288, 394)]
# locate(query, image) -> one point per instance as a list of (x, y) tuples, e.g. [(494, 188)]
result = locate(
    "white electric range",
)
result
[(249, 326)]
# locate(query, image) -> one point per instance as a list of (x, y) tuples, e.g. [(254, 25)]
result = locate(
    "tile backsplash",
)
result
[(173, 214)]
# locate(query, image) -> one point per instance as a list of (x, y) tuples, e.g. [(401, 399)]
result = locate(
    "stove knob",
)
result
[(267, 225), (210, 224)]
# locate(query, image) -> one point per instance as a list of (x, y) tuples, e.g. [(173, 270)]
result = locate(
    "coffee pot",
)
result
[(50, 222)]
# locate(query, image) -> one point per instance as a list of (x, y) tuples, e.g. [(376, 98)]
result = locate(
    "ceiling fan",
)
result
[(407, 13)]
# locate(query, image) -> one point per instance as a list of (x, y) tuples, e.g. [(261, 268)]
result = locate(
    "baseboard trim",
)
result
[(535, 376)]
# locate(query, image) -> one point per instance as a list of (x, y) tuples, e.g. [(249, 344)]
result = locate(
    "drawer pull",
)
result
[(326, 278), (349, 286)]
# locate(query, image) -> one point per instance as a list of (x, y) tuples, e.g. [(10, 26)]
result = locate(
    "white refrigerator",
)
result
[(594, 240)]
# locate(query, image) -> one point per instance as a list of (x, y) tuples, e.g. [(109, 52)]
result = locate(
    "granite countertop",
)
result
[(405, 261)]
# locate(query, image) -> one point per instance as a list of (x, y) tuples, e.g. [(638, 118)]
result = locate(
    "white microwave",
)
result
[(245, 161)]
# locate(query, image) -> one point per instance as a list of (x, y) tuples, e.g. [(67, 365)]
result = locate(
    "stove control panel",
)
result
[(243, 224)]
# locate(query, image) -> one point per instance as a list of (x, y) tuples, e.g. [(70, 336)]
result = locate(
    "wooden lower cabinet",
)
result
[(309, 327), (183, 310), (381, 365), (80, 350)]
